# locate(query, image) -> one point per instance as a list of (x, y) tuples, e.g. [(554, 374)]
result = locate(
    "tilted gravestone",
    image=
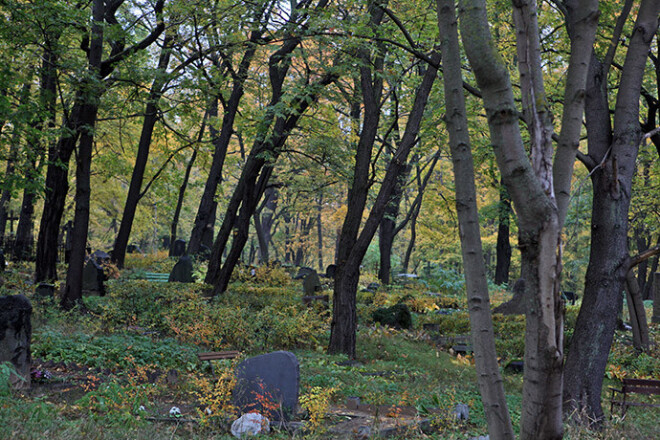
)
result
[(182, 272), (268, 384), (178, 248), (15, 334), (93, 278)]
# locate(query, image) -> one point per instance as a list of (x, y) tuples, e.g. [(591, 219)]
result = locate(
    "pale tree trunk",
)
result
[(531, 186), (481, 324), (612, 154)]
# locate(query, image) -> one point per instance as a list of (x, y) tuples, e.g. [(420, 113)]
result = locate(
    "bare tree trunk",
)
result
[(503, 245), (481, 324), (640, 326), (319, 232)]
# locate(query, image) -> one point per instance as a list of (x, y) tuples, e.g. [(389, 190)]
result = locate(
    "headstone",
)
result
[(311, 283), (269, 385), (93, 277), (133, 249), (372, 287), (397, 316), (100, 257), (570, 297), (45, 290), (165, 242), (516, 305), (656, 298), (178, 248), (515, 366), (249, 425), (461, 412), (330, 271), (303, 272), (182, 272), (15, 334)]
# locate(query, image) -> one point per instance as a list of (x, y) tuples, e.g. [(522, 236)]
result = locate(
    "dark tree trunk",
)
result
[(264, 219), (258, 168), (93, 90), (151, 115), (57, 187), (179, 202), (24, 242), (205, 217), (352, 247), (319, 232), (503, 245), (612, 156)]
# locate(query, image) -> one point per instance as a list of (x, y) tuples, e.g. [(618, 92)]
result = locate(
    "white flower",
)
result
[(175, 412)]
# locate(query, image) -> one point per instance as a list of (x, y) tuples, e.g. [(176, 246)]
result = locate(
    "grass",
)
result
[(112, 365)]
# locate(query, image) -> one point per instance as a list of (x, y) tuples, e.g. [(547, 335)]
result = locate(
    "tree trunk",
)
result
[(532, 187), (640, 326), (207, 204), (151, 115), (481, 324), (503, 246), (319, 232), (182, 192), (612, 156), (93, 90), (352, 246)]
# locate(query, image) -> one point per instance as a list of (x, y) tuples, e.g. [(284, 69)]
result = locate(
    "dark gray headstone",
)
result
[(303, 272), (15, 334), (100, 256), (45, 290), (182, 272), (178, 248), (311, 283), (93, 277), (330, 271), (274, 377), (397, 316)]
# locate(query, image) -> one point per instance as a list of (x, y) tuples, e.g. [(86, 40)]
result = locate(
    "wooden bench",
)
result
[(217, 355), (649, 387), (157, 277)]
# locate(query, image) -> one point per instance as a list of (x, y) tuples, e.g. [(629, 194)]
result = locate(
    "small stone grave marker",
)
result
[(15, 335), (182, 272), (269, 385), (330, 271), (93, 278), (45, 290), (178, 248), (311, 283)]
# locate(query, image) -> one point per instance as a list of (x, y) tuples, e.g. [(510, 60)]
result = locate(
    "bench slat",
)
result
[(214, 355)]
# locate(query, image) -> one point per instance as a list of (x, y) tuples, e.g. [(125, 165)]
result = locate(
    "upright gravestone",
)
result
[(15, 334), (100, 257), (93, 278), (656, 298), (268, 384), (311, 283), (182, 272), (178, 248), (330, 271)]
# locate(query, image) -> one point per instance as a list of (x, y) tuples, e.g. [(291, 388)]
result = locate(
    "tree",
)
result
[(539, 189), (481, 324), (613, 145)]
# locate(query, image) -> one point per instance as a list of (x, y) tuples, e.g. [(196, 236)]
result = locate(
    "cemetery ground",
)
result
[(117, 369)]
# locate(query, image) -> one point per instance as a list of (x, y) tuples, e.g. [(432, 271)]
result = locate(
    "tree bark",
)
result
[(612, 151), (481, 324)]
